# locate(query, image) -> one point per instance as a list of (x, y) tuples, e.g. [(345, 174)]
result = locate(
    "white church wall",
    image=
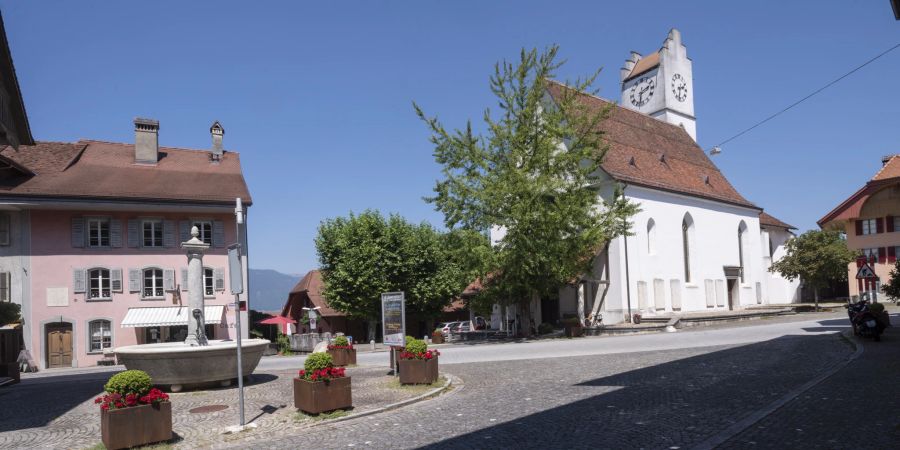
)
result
[(778, 289)]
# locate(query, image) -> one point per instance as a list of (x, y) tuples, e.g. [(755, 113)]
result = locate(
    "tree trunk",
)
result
[(524, 321), (816, 293), (373, 324)]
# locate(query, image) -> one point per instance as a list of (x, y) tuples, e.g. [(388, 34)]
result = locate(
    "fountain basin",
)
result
[(178, 366)]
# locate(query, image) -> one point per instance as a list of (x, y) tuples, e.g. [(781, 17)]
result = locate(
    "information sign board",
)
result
[(393, 318)]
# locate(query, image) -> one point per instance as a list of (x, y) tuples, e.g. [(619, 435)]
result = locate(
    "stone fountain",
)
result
[(197, 362)]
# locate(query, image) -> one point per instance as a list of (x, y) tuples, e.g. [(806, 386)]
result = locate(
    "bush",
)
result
[(284, 344), (416, 346), (341, 341), (876, 308), (545, 328), (317, 361), (9, 312), (135, 382)]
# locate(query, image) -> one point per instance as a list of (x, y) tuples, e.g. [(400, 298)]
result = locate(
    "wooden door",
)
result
[(59, 345), (731, 288)]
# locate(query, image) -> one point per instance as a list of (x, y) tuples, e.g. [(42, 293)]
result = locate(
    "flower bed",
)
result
[(418, 364), (342, 352), (132, 413), (321, 387)]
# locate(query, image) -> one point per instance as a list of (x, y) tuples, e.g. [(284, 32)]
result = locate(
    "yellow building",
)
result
[(871, 219)]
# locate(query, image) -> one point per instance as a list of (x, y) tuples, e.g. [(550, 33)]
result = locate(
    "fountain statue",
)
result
[(197, 362)]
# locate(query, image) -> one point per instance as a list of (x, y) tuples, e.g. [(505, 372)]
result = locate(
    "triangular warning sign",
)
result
[(865, 272)]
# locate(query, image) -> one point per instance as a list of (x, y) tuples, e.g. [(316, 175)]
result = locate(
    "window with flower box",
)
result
[(209, 282), (100, 332), (99, 284), (153, 283)]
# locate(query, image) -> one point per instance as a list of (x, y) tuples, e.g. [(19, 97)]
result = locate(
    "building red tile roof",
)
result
[(105, 170), (767, 220), (888, 175), (890, 169), (649, 152), (312, 285)]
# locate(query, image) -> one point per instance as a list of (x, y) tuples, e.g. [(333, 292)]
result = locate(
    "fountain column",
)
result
[(195, 249)]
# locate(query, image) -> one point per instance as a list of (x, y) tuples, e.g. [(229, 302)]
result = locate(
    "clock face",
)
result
[(679, 87), (642, 91)]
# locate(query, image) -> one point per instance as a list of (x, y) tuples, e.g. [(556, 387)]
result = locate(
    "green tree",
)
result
[(535, 174), (362, 256), (9, 312), (892, 287), (817, 257)]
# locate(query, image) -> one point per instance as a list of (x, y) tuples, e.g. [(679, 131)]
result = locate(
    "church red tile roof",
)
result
[(105, 170), (649, 152), (645, 64), (767, 220), (311, 285)]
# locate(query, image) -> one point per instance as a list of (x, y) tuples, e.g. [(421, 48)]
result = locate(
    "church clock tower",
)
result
[(661, 84)]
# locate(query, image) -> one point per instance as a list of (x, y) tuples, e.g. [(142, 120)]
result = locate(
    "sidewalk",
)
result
[(857, 407)]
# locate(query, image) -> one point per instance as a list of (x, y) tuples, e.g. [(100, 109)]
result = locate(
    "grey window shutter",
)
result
[(169, 279), (115, 233), (134, 280), (4, 286), (115, 276), (184, 230), (218, 237), (219, 277), (78, 233), (78, 281), (168, 233), (134, 233), (184, 278)]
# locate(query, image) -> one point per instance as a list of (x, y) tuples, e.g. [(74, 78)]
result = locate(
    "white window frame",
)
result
[(869, 226), (871, 252), (209, 290), (105, 338), (100, 284), (156, 225), (158, 284), (205, 227), (90, 223)]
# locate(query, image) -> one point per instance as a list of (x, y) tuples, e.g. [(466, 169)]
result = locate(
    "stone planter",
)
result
[(320, 396), (136, 425), (574, 330), (418, 371), (343, 356), (437, 338)]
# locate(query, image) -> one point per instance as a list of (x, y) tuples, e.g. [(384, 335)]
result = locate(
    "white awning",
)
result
[(169, 315)]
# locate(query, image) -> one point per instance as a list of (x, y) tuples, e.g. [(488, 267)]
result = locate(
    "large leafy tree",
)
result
[(533, 174), (817, 257), (362, 256), (892, 287)]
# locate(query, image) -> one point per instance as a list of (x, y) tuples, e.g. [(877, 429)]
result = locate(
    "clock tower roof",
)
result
[(643, 66)]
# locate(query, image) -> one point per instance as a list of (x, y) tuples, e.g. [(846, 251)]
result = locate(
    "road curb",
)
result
[(432, 393), (738, 427)]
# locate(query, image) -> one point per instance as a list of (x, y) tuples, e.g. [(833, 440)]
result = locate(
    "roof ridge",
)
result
[(884, 166), (184, 149)]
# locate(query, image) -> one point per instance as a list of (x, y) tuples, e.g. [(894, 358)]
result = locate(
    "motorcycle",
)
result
[(863, 321)]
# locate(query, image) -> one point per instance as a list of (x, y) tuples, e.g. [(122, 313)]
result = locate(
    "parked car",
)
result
[(446, 327), (463, 327), (479, 323)]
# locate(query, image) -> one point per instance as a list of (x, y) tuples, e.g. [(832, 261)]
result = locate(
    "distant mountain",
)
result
[(269, 289)]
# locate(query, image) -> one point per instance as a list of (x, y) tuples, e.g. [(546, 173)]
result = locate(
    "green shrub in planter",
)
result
[(317, 361), (341, 340), (129, 382), (416, 346)]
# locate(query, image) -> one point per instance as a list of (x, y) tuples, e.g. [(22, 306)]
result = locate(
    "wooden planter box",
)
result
[(343, 356), (437, 338), (418, 371), (574, 330), (136, 425), (317, 397)]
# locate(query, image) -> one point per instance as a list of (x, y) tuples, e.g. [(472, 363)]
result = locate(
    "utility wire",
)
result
[(810, 95)]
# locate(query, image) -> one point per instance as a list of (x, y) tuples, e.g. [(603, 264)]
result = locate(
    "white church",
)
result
[(698, 244)]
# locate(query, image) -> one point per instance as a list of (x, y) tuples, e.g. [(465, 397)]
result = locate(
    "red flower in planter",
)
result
[(430, 354), (326, 374), (340, 347)]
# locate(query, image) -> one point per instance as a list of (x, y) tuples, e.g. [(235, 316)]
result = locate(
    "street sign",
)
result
[(235, 271), (393, 318), (865, 272)]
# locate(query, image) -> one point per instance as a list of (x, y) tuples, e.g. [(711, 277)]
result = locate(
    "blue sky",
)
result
[(317, 96)]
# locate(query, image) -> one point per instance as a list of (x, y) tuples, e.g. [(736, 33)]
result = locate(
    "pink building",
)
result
[(90, 236)]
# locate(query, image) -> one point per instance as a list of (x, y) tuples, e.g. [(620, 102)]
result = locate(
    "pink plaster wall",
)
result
[(53, 260)]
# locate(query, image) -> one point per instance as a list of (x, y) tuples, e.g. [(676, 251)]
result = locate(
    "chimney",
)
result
[(629, 65), (887, 158), (217, 132), (146, 141)]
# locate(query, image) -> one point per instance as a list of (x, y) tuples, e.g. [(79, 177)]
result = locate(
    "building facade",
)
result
[(90, 236), (871, 220)]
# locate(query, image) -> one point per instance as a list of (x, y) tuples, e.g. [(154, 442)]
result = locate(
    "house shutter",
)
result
[(168, 233), (882, 254), (892, 254), (4, 287), (219, 277), (859, 227), (4, 229), (134, 233), (78, 281), (78, 233), (115, 233), (115, 276), (889, 224), (879, 225), (134, 280), (169, 279), (218, 234), (184, 277), (184, 230)]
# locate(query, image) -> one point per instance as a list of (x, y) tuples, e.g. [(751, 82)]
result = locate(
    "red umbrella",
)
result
[(278, 320)]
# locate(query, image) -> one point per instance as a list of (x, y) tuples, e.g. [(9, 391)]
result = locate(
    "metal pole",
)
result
[(240, 367)]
